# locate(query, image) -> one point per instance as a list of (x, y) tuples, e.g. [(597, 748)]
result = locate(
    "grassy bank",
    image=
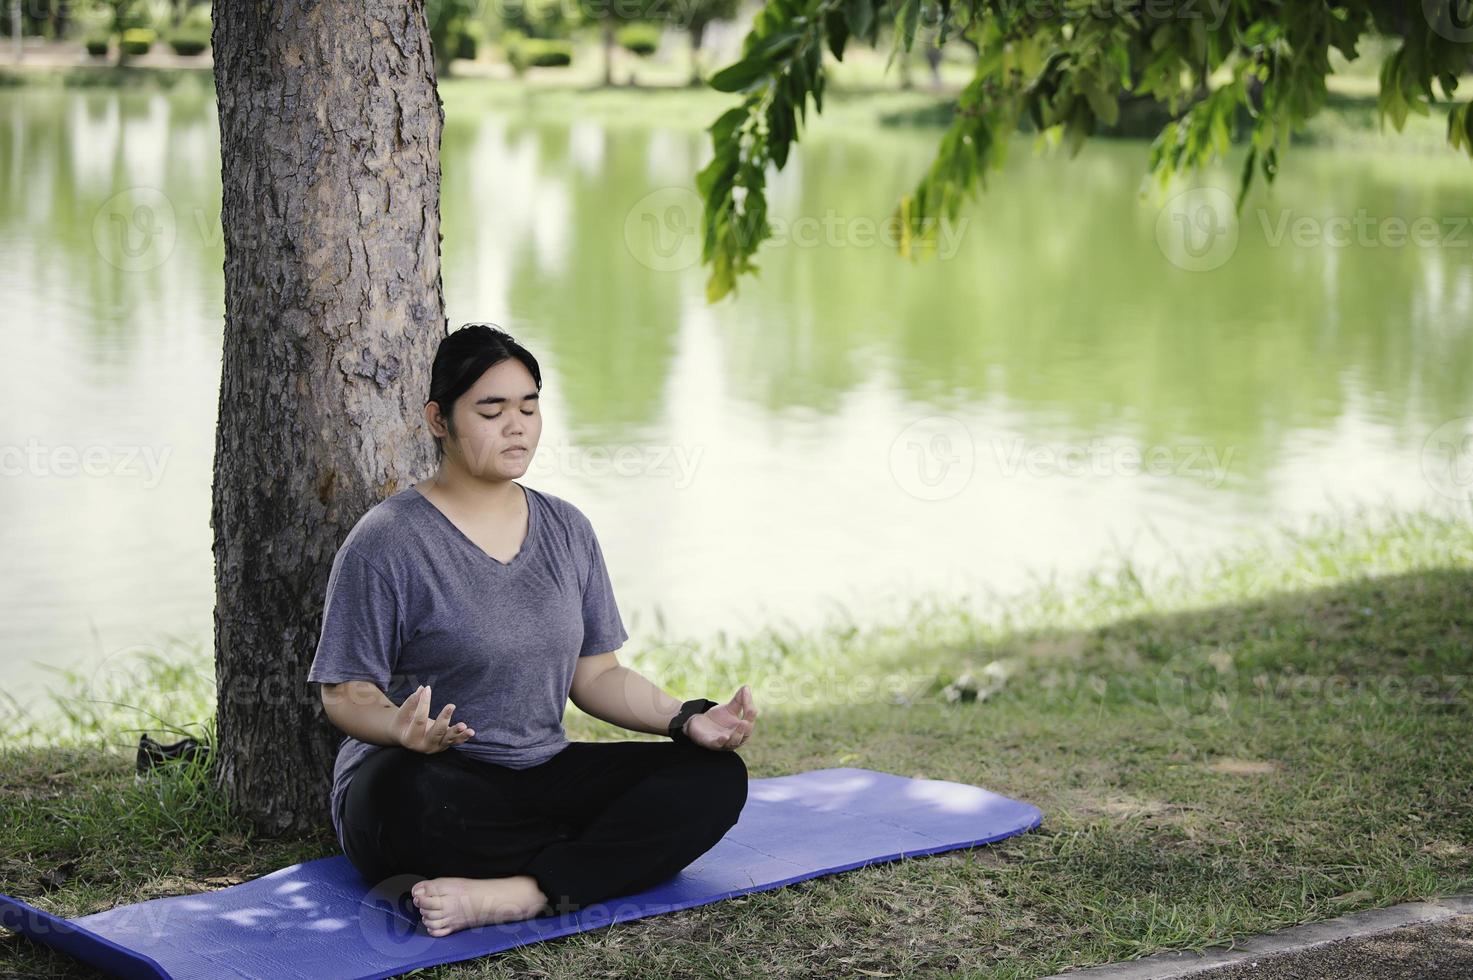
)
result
[(1273, 738)]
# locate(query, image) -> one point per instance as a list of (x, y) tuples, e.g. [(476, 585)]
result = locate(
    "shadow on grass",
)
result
[(1205, 774)]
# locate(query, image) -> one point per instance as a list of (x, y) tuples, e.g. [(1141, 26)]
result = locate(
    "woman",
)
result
[(461, 613)]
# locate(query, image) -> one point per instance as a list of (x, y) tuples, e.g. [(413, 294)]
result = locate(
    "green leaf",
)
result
[(907, 15), (726, 124), (735, 77), (860, 15), (836, 28), (1104, 105), (1246, 179)]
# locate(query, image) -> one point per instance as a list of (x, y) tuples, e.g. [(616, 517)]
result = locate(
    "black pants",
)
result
[(596, 821)]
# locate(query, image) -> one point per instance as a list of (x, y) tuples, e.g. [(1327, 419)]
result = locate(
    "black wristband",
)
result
[(695, 706)]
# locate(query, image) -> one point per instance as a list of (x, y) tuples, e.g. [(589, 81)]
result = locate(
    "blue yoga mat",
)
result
[(320, 921)]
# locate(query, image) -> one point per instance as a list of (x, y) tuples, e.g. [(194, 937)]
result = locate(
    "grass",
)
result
[(1220, 749)]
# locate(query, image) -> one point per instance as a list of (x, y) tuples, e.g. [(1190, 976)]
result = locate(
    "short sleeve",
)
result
[(603, 630), (360, 624)]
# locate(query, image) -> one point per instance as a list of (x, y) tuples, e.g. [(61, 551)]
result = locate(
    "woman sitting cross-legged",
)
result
[(461, 614)]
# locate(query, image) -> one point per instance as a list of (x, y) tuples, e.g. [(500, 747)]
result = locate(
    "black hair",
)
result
[(463, 356)]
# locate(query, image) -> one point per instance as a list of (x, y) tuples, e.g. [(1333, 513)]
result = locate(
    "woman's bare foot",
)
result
[(450, 904)]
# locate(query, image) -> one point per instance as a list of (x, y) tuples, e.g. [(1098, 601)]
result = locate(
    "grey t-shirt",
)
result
[(411, 600)]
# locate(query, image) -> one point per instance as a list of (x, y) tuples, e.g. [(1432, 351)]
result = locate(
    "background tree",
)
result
[(119, 16), (640, 39), (1062, 68), (455, 31), (701, 14), (610, 15), (546, 19), (329, 140)]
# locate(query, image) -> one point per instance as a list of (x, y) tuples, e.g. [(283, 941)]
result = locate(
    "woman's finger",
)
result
[(440, 727)]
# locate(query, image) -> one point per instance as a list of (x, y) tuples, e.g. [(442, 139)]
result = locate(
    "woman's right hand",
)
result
[(416, 732)]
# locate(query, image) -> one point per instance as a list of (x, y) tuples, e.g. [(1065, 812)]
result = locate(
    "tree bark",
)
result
[(330, 129), (608, 51), (697, 34)]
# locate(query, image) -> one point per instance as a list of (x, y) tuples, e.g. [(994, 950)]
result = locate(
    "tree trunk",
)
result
[(608, 51), (330, 129), (697, 34)]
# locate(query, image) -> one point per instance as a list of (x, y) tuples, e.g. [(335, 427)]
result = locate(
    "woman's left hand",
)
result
[(725, 726)]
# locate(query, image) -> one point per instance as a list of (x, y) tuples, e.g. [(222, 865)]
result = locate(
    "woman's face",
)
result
[(497, 414)]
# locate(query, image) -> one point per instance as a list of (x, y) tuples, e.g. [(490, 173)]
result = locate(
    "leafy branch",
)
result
[(1063, 69)]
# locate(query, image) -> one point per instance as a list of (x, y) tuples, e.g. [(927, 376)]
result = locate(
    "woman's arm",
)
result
[(623, 697), (361, 710), (611, 692)]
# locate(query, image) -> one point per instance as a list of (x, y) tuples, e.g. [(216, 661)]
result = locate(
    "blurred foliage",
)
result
[(189, 41), (456, 30), (641, 39), (1249, 68), (137, 40), (539, 18), (535, 52)]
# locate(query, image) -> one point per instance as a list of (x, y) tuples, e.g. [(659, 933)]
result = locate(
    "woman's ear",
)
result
[(435, 420)]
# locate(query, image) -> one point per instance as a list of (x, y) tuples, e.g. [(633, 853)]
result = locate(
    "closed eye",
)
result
[(498, 414)]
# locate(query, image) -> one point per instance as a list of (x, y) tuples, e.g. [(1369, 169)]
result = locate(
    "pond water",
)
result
[(1080, 374)]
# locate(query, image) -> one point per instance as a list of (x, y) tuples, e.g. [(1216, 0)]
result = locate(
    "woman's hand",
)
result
[(416, 732), (725, 726)]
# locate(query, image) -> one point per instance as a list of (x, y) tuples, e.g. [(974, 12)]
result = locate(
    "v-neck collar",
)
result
[(519, 558)]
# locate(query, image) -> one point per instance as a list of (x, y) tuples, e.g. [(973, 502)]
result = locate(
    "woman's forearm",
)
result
[(625, 697), (361, 710)]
